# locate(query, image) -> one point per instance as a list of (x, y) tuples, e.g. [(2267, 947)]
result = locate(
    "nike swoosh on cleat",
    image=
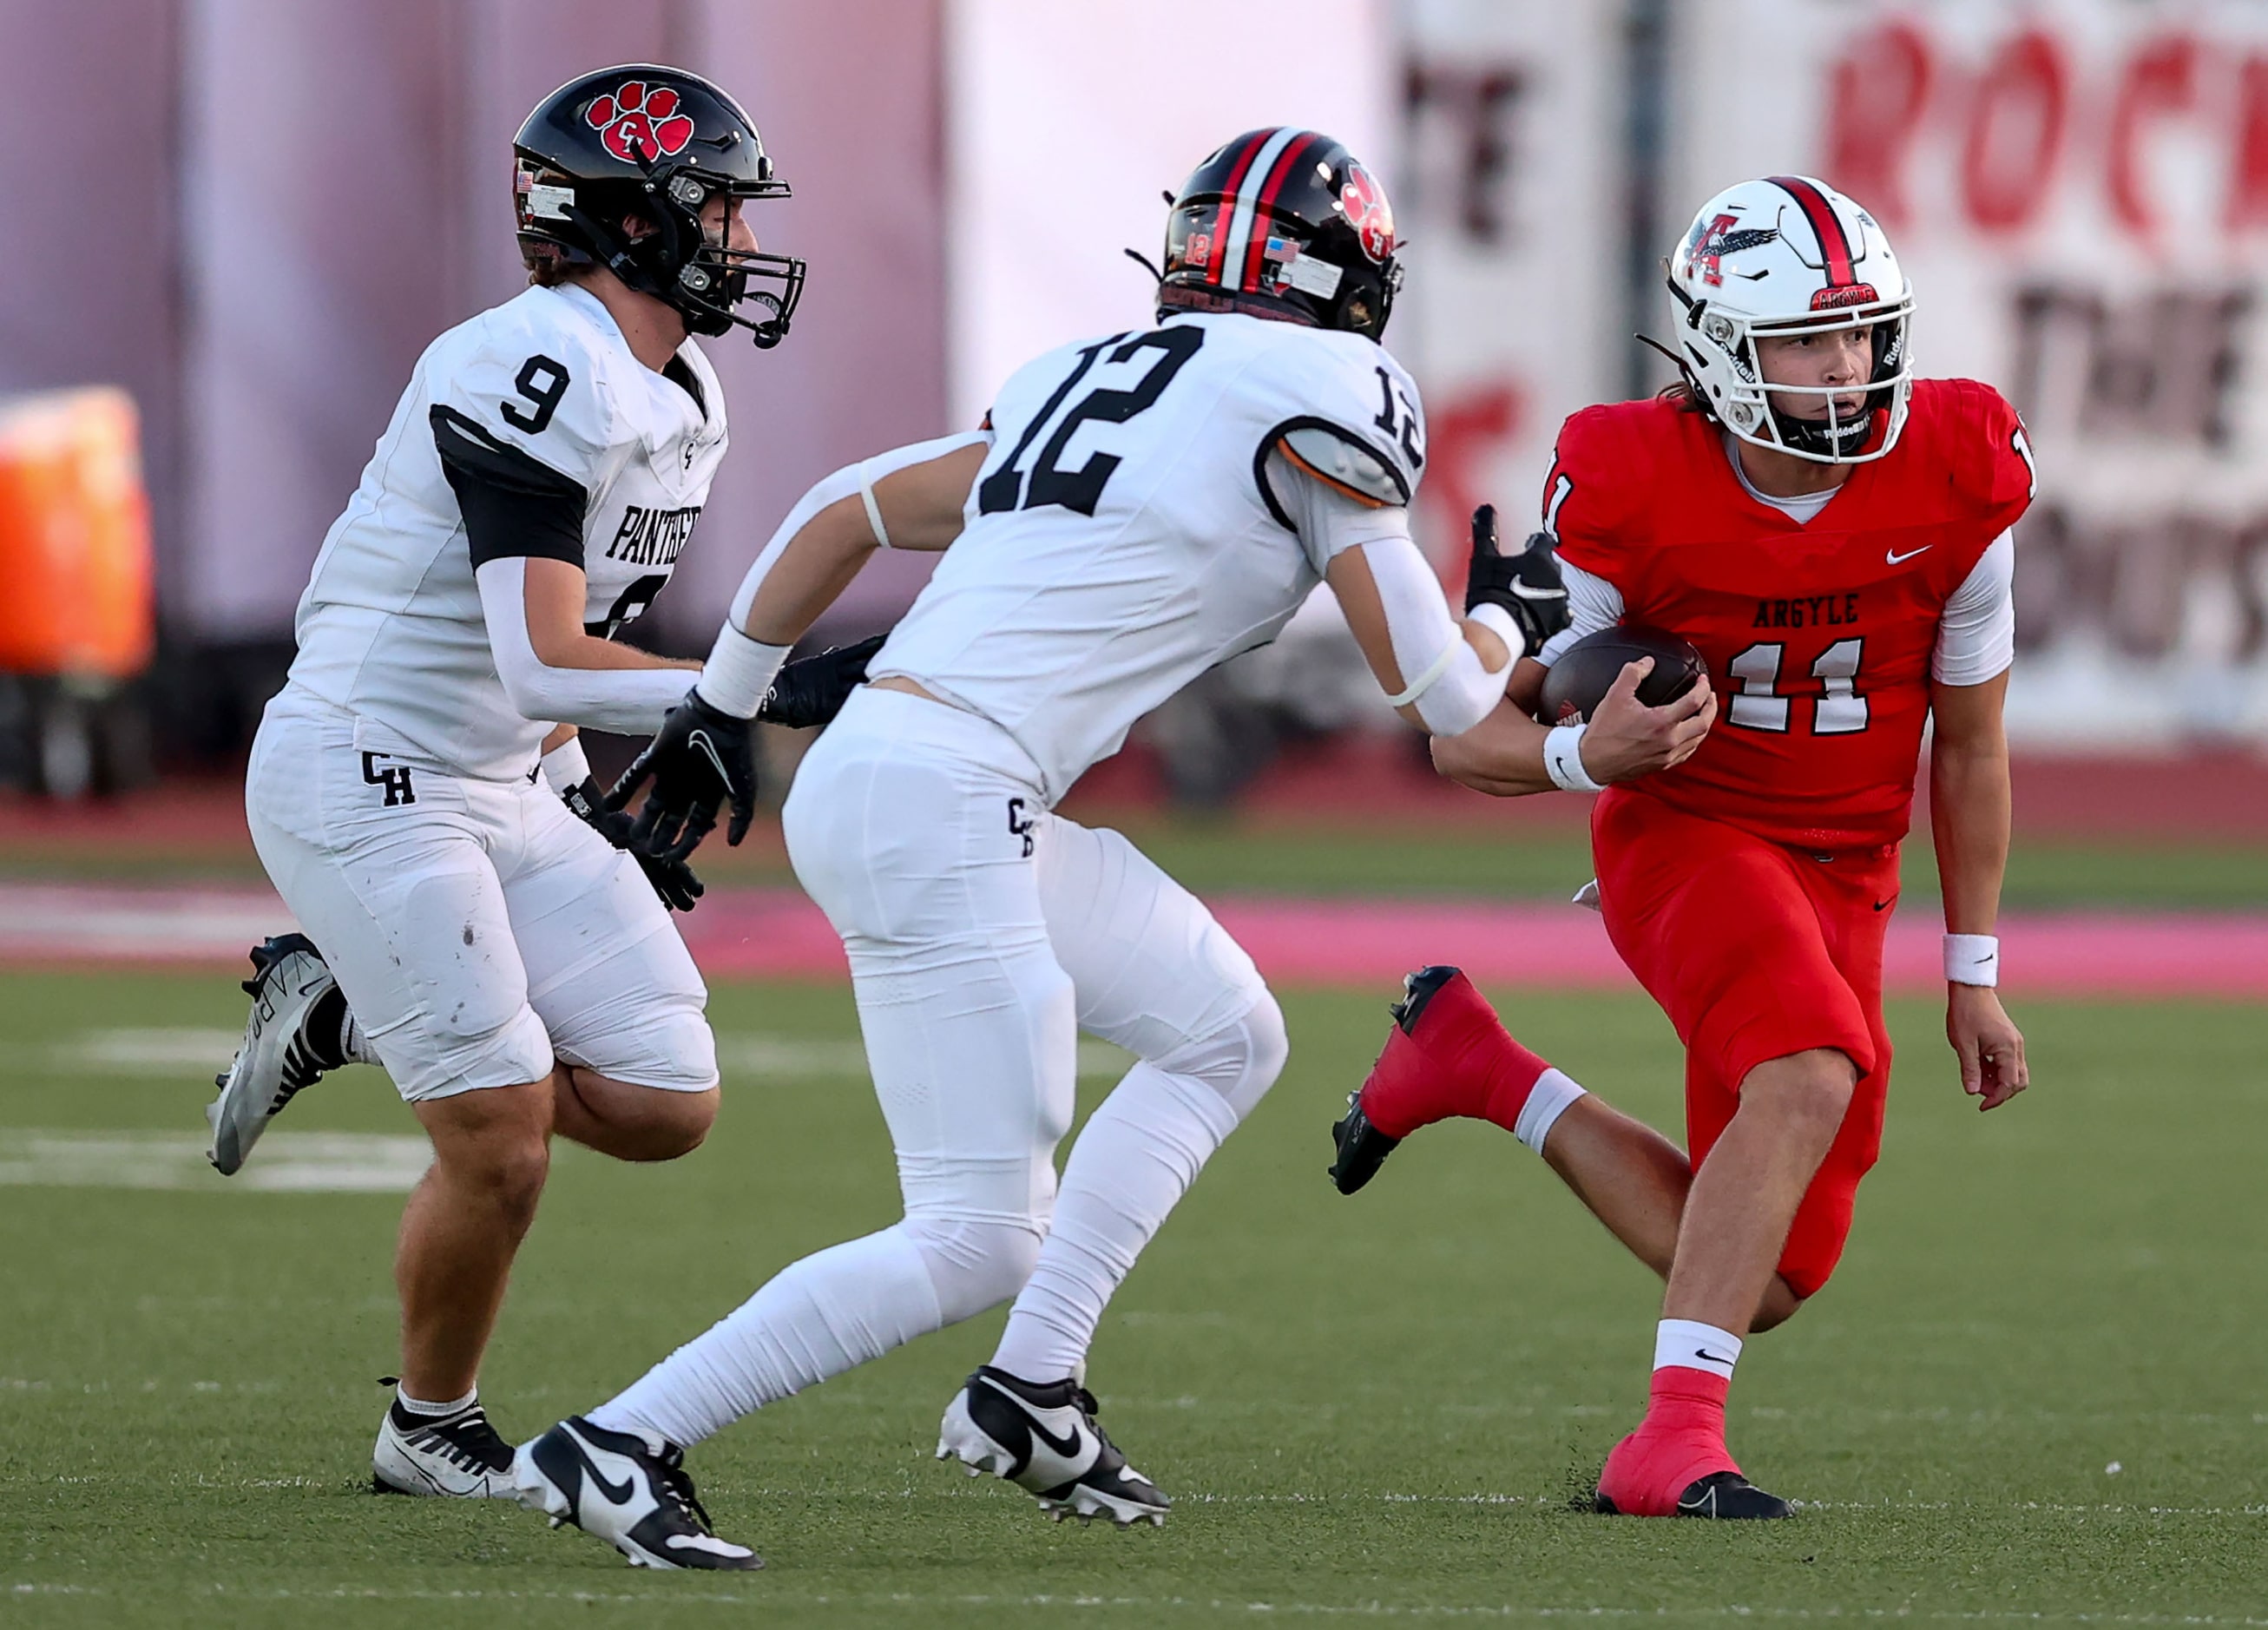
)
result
[(1067, 1446), (616, 1493), (1896, 559)]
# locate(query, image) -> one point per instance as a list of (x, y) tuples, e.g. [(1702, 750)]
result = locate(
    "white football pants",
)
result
[(983, 933)]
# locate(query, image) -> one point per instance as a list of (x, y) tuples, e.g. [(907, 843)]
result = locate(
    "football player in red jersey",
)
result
[(1833, 535)]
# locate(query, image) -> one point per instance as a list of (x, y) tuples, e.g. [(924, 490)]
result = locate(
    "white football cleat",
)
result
[(273, 1063), (629, 1490), (457, 1456), (1045, 1440)]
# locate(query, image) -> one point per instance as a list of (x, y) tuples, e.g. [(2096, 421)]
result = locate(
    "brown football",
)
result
[(1581, 679)]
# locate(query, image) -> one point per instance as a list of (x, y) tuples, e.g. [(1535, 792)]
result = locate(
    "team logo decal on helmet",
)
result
[(1712, 241), (638, 122), (1283, 222), (1363, 202), (617, 168)]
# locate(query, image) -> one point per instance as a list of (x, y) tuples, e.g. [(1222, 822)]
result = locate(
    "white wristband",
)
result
[(1563, 760), (564, 766), (1972, 959), (740, 672)]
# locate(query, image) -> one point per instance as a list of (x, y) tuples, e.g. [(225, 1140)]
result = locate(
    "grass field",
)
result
[(2034, 1395)]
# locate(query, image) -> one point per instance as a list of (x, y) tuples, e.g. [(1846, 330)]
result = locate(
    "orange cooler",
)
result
[(76, 594)]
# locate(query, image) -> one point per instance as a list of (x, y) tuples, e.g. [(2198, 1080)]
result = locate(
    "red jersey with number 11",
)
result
[(1818, 635)]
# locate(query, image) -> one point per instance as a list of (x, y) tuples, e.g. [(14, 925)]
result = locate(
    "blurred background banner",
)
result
[(296, 198), (2079, 189)]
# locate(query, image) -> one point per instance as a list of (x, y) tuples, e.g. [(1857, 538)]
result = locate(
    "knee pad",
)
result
[(975, 1265), (1241, 1060)]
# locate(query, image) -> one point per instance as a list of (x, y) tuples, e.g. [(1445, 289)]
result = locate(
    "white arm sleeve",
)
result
[(852, 481), (630, 700), (1977, 637), (1592, 603), (1442, 675)]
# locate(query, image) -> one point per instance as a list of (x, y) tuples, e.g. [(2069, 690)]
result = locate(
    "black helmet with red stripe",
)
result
[(1285, 224), (1775, 258)]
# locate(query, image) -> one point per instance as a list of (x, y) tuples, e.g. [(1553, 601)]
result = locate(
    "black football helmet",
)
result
[(1285, 224), (656, 143)]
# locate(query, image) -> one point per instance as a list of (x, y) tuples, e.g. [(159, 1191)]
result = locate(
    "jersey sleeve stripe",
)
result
[(464, 444), (1292, 454)]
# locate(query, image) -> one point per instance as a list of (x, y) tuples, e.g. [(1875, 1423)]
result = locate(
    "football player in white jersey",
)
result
[(415, 790), (1139, 508)]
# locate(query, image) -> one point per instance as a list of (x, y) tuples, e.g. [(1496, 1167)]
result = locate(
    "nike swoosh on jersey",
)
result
[(1897, 559)]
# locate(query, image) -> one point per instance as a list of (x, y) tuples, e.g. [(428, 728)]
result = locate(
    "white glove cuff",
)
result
[(740, 672), (1972, 959), (564, 766), (1563, 760)]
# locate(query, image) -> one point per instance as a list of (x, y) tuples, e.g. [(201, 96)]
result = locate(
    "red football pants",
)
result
[(1756, 951)]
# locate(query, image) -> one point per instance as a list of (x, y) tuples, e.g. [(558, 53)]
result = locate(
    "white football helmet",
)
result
[(1787, 256)]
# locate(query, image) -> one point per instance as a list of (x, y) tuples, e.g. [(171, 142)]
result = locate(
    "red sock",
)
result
[(1462, 1061)]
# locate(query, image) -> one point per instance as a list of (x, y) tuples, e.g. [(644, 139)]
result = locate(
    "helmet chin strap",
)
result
[(1827, 438)]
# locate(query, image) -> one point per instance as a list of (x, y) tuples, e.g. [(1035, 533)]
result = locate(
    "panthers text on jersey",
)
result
[(390, 629), (1123, 537), (1817, 635)]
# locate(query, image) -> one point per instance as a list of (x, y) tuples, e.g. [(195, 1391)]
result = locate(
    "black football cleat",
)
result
[(1362, 1148), (1046, 1440), (1723, 1496)]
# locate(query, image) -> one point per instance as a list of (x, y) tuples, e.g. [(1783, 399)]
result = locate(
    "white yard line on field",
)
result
[(302, 1163)]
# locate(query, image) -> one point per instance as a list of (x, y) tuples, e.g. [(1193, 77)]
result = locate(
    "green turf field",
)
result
[(2034, 1395)]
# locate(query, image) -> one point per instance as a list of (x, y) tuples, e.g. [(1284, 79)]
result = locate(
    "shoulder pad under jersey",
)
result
[(1340, 459)]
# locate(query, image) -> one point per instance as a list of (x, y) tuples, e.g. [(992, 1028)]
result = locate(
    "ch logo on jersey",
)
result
[(1363, 202), (1020, 824), (394, 778), (639, 120)]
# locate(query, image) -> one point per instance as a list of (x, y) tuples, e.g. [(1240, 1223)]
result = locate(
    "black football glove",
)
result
[(698, 761), (672, 880), (1527, 585), (811, 690)]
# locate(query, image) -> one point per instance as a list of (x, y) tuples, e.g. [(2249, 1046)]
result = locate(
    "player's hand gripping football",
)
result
[(700, 760), (1990, 1047), (672, 880), (1527, 585), (1626, 739)]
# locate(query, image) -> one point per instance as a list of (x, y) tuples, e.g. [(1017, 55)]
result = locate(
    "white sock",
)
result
[(1688, 1344), (420, 1406), (353, 1044), (1554, 1093), (1136, 1156), (831, 1311)]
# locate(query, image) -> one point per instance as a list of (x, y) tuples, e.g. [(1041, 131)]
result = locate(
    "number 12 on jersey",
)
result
[(1758, 705), (1081, 489)]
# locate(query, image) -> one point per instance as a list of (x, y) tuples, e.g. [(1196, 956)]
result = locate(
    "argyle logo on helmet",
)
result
[(1712, 242), (1851, 294), (640, 121), (1363, 202)]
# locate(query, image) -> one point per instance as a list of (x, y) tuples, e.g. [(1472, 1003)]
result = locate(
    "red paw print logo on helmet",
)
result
[(640, 121), (1363, 202)]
